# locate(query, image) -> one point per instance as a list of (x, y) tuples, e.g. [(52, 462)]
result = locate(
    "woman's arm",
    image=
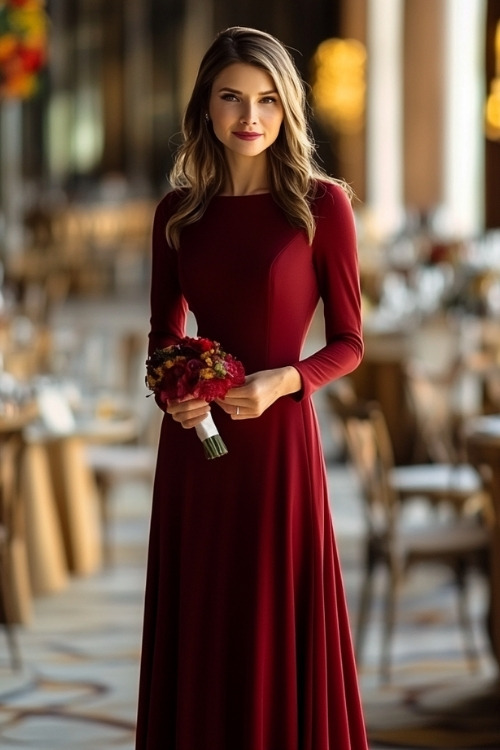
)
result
[(336, 265), (337, 271), (168, 306)]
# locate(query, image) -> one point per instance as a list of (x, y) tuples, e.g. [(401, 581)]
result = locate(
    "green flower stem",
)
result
[(214, 447), (213, 444)]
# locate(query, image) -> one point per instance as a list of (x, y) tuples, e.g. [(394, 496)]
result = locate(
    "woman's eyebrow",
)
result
[(240, 93)]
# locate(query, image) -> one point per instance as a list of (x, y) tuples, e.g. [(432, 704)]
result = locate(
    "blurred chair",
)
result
[(432, 400), (456, 542), (443, 480), (441, 409), (115, 463), (11, 449), (491, 391)]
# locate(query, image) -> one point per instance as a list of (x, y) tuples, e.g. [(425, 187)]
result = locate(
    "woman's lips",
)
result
[(245, 136)]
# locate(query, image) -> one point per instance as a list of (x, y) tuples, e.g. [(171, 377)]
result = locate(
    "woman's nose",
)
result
[(248, 115)]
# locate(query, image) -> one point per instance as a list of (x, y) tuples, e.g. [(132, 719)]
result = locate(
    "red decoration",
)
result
[(23, 46)]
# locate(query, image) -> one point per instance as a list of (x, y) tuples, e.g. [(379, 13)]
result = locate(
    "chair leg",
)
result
[(15, 654), (364, 606), (389, 622), (104, 490), (464, 618), (362, 620)]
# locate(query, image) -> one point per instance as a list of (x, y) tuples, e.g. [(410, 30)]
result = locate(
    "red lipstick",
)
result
[(247, 136)]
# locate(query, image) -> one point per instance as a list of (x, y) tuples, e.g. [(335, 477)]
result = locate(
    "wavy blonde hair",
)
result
[(200, 165)]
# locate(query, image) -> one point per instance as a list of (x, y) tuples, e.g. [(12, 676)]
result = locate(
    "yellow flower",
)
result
[(206, 373)]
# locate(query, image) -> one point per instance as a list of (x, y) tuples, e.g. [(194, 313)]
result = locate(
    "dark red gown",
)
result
[(246, 642)]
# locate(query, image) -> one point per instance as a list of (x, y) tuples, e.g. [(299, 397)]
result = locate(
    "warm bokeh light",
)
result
[(492, 113), (339, 84)]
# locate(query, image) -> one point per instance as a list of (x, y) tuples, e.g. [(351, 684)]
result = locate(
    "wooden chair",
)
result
[(432, 398), (116, 462), (443, 480), (456, 542)]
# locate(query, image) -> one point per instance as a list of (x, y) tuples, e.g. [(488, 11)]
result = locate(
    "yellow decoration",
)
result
[(207, 374)]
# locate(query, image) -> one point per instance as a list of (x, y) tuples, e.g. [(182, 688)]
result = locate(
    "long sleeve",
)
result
[(336, 265), (168, 306)]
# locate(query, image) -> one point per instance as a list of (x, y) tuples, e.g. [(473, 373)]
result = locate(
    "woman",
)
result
[(246, 640)]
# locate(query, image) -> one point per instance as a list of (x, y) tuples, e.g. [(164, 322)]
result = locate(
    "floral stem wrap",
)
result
[(200, 368)]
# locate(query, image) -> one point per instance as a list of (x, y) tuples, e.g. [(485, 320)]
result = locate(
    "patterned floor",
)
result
[(77, 688)]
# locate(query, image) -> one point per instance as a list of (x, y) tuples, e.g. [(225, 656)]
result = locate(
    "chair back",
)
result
[(437, 418), (370, 453)]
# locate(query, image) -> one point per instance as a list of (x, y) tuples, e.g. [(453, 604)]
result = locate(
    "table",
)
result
[(77, 502), (15, 583), (47, 563), (60, 440), (482, 438)]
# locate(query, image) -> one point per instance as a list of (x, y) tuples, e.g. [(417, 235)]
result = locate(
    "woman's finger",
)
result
[(189, 412)]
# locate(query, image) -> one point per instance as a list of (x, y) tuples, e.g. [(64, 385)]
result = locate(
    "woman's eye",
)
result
[(269, 100), (229, 97)]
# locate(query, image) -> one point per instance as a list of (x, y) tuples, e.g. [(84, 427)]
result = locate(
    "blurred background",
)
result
[(405, 106)]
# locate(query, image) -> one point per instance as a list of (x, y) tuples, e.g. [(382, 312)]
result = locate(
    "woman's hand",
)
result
[(189, 412), (261, 389)]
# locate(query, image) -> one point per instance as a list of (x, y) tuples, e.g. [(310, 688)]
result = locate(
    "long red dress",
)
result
[(246, 642)]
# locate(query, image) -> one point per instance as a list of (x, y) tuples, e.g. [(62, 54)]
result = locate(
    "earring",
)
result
[(207, 118)]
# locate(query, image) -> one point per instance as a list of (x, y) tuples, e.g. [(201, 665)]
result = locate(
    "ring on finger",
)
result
[(237, 410)]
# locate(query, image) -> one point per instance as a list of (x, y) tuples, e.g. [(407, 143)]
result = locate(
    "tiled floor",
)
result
[(77, 689)]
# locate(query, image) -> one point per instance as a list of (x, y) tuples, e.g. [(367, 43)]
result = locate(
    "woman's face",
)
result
[(245, 109)]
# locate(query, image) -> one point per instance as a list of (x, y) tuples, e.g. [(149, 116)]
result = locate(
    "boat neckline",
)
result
[(245, 195)]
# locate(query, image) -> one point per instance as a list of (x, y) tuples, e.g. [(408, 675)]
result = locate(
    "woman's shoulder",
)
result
[(331, 201), (330, 191), (170, 201)]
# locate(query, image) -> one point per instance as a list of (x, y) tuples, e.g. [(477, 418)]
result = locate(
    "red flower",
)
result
[(195, 367)]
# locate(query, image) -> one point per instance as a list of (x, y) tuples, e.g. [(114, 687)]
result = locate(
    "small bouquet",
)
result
[(195, 367)]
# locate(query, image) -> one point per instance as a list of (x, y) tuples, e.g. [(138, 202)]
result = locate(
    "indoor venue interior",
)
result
[(404, 99)]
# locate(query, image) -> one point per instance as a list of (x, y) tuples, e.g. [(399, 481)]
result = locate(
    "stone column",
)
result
[(384, 157), (352, 147), (423, 103)]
